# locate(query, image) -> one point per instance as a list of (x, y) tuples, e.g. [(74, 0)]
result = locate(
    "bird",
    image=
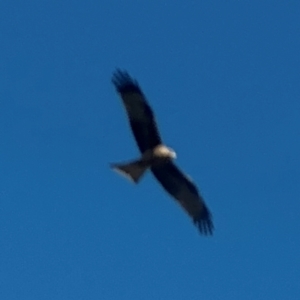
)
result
[(155, 155)]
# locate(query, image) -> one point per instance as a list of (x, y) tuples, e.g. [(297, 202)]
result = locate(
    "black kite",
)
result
[(156, 156)]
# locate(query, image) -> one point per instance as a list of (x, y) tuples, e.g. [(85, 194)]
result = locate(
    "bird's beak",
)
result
[(173, 154)]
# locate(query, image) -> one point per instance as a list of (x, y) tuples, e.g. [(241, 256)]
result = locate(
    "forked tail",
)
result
[(133, 170)]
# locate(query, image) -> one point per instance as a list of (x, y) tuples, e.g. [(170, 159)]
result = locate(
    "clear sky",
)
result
[(223, 80)]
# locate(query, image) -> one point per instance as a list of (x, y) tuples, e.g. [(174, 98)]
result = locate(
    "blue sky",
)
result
[(223, 79)]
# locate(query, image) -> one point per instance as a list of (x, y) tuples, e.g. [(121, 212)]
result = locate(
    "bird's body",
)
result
[(155, 155), (151, 158)]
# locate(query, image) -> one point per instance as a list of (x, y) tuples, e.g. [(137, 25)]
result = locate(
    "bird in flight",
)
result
[(155, 156)]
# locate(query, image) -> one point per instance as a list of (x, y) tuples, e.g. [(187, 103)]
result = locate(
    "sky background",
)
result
[(223, 80)]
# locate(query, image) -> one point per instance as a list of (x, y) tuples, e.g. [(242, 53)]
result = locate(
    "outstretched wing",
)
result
[(140, 114), (186, 193)]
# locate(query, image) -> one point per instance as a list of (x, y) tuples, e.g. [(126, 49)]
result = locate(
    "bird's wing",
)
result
[(185, 192), (140, 114)]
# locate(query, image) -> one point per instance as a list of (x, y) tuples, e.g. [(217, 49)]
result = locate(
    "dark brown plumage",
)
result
[(156, 156)]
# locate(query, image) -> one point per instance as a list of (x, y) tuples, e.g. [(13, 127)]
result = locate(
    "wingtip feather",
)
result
[(204, 223), (124, 82)]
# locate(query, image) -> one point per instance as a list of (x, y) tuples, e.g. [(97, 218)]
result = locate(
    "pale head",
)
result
[(164, 151)]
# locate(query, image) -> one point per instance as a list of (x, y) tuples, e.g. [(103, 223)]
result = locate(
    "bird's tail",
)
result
[(133, 170)]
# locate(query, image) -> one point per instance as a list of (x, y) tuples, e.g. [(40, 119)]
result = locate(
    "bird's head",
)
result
[(164, 151)]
